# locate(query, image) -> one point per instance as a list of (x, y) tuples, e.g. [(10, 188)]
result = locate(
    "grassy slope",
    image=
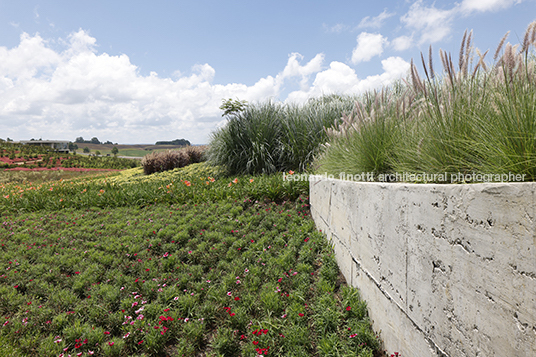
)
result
[(186, 265)]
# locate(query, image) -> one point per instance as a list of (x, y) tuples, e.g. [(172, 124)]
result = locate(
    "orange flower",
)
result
[(187, 183), (235, 180), (211, 179), (250, 180), (230, 184), (291, 172)]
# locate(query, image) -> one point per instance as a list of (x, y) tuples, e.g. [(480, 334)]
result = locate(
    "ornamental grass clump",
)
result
[(163, 161), (471, 118), (269, 137)]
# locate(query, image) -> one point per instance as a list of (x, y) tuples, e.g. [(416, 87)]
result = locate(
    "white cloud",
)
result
[(375, 22), (368, 46), (468, 6), (338, 28), (433, 24), (78, 92), (402, 43), (341, 79)]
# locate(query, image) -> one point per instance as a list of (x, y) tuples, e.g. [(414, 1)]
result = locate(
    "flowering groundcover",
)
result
[(226, 277)]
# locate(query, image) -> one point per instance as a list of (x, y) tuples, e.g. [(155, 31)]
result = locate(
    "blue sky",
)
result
[(142, 71)]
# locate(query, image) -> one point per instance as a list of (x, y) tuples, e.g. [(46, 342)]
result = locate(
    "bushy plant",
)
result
[(159, 161), (269, 137), (474, 119), (162, 161)]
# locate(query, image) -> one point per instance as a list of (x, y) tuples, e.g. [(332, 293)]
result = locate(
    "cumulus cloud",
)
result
[(341, 79), (402, 43), (77, 91), (368, 46), (69, 93), (375, 22)]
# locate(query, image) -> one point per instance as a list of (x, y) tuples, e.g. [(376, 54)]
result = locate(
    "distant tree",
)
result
[(86, 150), (232, 106), (79, 140), (9, 139), (94, 140), (97, 153), (73, 147), (108, 143), (182, 142), (115, 150)]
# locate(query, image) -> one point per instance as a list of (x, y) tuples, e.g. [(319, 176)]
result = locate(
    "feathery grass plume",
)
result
[(424, 67), (194, 154), (461, 59), (499, 47), (529, 38), (365, 138), (163, 161), (430, 62), (483, 123)]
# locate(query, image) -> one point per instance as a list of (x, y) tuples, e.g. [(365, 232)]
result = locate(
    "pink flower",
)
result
[(111, 343)]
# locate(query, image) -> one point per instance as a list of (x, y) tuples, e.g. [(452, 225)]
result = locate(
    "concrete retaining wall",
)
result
[(446, 270)]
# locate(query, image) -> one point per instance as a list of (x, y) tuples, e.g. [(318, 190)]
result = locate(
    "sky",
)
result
[(146, 71)]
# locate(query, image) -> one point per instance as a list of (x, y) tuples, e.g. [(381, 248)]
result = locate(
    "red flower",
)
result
[(255, 343), (348, 308), (301, 315), (106, 332), (236, 298)]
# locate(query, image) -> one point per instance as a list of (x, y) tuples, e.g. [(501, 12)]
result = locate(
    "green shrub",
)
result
[(270, 137)]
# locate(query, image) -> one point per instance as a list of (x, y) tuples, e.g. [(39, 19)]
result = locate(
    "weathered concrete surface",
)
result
[(446, 270)]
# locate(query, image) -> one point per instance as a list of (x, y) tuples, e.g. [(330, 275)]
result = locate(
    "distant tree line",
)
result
[(94, 140), (182, 142)]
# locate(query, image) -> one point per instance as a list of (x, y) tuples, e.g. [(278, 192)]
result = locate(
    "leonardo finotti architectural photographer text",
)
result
[(444, 177)]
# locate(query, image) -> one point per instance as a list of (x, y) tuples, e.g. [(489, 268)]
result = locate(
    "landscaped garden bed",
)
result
[(182, 263)]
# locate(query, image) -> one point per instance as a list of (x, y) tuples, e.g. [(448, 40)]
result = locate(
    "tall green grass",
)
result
[(269, 137), (471, 118)]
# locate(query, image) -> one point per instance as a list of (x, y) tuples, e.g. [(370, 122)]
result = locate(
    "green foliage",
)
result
[(233, 106), (158, 161), (478, 120), (222, 275), (182, 142), (85, 150), (270, 137)]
